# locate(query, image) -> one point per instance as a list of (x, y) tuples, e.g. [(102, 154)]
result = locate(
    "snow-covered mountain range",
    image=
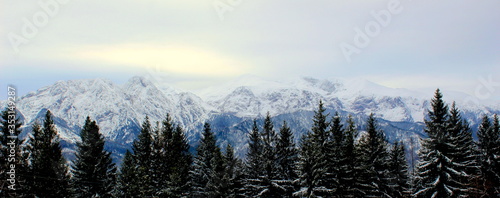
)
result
[(230, 108)]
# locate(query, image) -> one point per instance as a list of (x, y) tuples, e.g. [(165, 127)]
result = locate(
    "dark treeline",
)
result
[(333, 159)]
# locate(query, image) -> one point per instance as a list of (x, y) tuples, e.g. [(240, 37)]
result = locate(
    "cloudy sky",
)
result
[(452, 44)]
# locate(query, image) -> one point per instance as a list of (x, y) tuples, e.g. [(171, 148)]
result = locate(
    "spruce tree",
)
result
[(142, 149), (11, 155), (489, 152), (179, 184), (48, 172), (496, 130), (313, 159), (436, 175), (347, 168), (262, 183), (127, 178), (334, 154), (171, 161), (463, 154), (306, 168), (232, 179), (161, 162), (94, 173), (253, 167), (373, 161), (207, 167), (269, 186), (158, 176), (398, 166), (287, 157), (135, 173)]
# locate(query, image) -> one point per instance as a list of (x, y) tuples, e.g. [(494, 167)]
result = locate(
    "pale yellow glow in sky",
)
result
[(181, 60)]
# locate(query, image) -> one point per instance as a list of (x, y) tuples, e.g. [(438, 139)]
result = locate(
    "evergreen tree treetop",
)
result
[(127, 180), (320, 124), (437, 116), (287, 153), (372, 163), (351, 130), (136, 172), (313, 156), (90, 137), (337, 129), (286, 161), (488, 134), (268, 133), (49, 172), (142, 147), (208, 149), (496, 134), (208, 166), (167, 130), (93, 170), (398, 166), (377, 136), (489, 156), (447, 164), (254, 164)]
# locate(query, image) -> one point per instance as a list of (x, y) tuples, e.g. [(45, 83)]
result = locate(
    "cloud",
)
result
[(187, 40), (172, 59)]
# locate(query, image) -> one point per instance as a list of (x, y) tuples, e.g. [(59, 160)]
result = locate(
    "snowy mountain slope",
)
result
[(145, 98), (230, 108), (252, 97), (118, 109), (74, 101)]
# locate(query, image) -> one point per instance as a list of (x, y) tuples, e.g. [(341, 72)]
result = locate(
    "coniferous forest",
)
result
[(333, 159)]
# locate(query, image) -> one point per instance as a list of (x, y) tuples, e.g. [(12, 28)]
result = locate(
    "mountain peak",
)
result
[(139, 81), (329, 86)]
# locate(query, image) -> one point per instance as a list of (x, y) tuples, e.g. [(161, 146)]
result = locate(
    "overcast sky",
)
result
[(452, 44)]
